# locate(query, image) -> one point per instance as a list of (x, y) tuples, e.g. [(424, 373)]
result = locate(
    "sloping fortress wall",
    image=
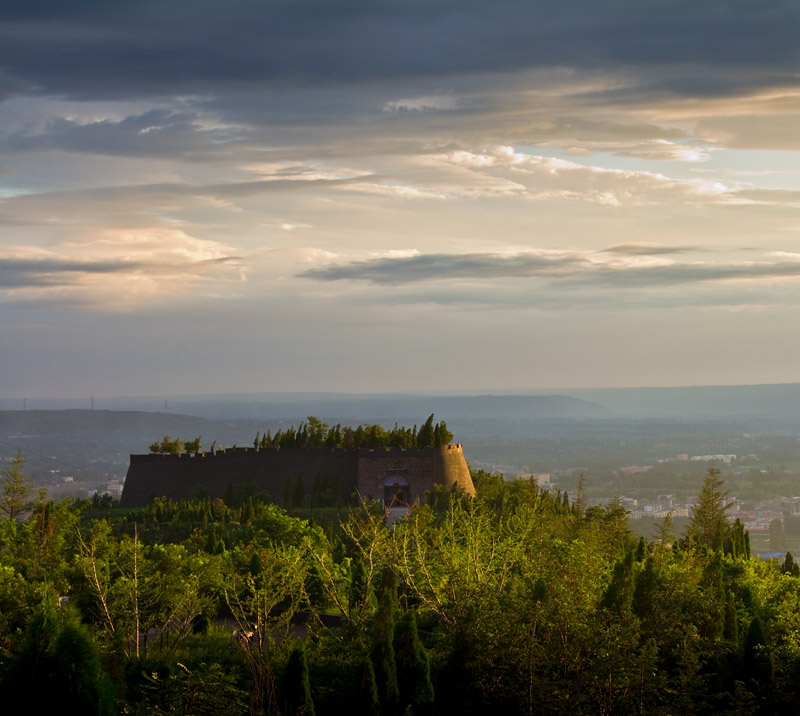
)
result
[(392, 475)]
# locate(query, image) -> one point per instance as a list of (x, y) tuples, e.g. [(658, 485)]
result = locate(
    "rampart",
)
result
[(293, 475)]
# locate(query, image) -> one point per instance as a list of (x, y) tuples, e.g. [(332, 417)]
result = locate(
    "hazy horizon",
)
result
[(303, 196)]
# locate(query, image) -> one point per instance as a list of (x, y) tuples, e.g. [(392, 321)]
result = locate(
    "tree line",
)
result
[(516, 601), (316, 434)]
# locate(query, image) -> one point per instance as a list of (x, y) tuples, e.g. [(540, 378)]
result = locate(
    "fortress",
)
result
[(397, 476)]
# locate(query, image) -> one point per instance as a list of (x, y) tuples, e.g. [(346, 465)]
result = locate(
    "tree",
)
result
[(168, 446), (16, 488), (296, 686), (413, 668), (709, 524), (425, 436), (59, 652), (790, 567), (777, 537), (193, 446), (383, 656)]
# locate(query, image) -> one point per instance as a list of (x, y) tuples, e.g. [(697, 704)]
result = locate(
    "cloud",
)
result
[(644, 249), (505, 170), (116, 269), (640, 270), (202, 47), (156, 133)]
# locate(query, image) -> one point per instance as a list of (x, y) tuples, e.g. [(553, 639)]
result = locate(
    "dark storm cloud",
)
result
[(126, 49), (569, 269)]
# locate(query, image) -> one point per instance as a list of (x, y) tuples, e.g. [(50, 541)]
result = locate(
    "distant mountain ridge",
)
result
[(351, 409)]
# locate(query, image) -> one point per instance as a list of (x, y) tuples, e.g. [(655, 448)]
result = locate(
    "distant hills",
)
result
[(778, 401), (539, 432)]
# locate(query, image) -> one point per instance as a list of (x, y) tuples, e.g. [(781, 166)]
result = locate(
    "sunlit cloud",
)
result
[(312, 170)]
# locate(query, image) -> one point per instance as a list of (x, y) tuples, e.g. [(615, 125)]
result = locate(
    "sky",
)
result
[(200, 196)]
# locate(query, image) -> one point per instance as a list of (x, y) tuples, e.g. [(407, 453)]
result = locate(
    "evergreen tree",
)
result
[(413, 667), (382, 653), (296, 691), (57, 669), (756, 661), (790, 567), (709, 524), (425, 436), (618, 597), (645, 589), (367, 700), (641, 550), (16, 488)]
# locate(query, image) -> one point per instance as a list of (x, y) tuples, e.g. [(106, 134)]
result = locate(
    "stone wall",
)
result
[(275, 474)]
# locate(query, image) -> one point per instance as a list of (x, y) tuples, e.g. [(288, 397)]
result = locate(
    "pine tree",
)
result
[(709, 522), (16, 488)]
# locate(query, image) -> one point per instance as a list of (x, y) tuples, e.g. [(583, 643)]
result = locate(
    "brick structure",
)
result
[(394, 475)]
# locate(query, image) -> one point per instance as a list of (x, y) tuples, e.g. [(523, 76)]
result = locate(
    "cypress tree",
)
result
[(57, 669), (645, 589), (413, 667), (382, 652), (790, 567), (358, 584), (730, 631), (296, 691), (756, 660), (618, 597), (367, 701), (641, 550), (81, 685), (425, 436)]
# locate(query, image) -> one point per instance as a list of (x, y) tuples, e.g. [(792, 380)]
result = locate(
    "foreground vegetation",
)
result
[(513, 602)]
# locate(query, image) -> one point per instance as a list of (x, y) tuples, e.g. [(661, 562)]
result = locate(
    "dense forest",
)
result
[(516, 601)]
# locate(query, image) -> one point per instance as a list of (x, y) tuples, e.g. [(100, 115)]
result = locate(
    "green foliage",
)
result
[(511, 602), (382, 653), (16, 489), (790, 567), (709, 524), (367, 702), (168, 446), (316, 434), (58, 653), (205, 690), (413, 668), (618, 597), (296, 688)]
